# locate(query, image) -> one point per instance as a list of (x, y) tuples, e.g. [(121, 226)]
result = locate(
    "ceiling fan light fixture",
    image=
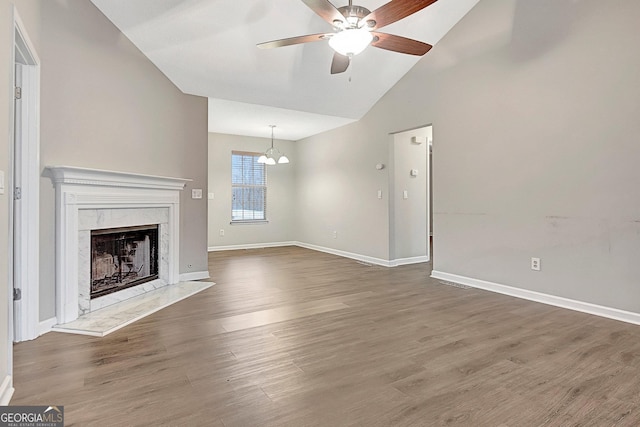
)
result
[(352, 25), (351, 41)]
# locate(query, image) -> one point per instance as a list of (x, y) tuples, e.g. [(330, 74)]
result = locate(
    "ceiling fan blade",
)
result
[(294, 40), (399, 44), (395, 10), (340, 63), (325, 10)]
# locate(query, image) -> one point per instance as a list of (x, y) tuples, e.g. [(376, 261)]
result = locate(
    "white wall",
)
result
[(281, 193), (535, 113)]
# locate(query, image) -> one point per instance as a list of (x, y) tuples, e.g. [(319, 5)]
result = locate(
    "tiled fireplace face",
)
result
[(98, 219)]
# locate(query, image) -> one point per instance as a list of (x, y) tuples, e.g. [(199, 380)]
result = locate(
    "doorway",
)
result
[(24, 187), (410, 189)]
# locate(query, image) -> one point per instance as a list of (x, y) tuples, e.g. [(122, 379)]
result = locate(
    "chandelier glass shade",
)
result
[(273, 156)]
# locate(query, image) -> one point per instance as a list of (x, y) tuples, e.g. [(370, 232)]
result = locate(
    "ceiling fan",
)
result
[(356, 28)]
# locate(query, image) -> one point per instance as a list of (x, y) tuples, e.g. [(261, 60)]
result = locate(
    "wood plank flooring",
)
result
[(293, 337)]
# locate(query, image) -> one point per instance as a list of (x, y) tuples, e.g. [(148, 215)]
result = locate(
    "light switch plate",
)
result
[(211, 196), (1, 182), (196, 193)]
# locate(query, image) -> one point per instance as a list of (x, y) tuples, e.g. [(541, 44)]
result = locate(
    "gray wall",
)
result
[(535, 109), (105, 105), (536, 153), (338, 185), (281, 192)]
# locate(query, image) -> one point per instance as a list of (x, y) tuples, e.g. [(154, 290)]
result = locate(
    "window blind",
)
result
[(249, 187)]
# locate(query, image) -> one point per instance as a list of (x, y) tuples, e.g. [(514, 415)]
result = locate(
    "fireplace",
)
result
[(92, 199), (122, 258)]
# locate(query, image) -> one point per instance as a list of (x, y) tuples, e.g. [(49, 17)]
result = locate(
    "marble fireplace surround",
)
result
[(88, 199)]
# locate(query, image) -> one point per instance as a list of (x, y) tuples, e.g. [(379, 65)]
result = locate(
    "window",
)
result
[(249, 187)]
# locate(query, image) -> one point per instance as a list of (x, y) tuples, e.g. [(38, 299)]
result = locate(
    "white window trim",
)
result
[(251, 221)]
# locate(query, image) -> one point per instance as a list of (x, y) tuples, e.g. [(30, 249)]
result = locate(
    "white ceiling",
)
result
[(208, 48)]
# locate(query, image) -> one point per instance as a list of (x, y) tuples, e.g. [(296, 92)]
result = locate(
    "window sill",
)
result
[(250, 221)]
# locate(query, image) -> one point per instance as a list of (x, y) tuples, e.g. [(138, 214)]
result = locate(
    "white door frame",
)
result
[(25, 173), (429, 196)]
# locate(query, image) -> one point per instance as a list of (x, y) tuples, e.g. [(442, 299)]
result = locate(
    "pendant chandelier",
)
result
[(273, 155)]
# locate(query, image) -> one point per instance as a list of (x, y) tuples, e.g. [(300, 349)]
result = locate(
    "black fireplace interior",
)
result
[(122, 258)]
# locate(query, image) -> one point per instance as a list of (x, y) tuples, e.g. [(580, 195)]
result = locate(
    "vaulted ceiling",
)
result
[(208, 48)]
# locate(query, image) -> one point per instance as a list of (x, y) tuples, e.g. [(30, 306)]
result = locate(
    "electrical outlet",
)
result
[(221, 232), (335, 234), (196, 193), (535, 264)]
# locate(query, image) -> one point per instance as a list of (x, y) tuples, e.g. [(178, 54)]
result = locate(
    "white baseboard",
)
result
[(195, 275), (357, 257), (250, 246), (46, 325), (584, 307), (406, 261), (6, 390)]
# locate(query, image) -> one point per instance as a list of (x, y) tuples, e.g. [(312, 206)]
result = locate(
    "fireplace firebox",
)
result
[(122, 258)]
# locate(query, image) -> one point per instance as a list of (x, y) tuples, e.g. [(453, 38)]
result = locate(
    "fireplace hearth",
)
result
[(122, 258)]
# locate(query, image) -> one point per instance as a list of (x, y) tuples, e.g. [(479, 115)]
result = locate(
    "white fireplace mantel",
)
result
[(83, 176), (106, 192)]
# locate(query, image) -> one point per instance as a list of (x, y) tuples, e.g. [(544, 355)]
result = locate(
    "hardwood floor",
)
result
[(293, 337)]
